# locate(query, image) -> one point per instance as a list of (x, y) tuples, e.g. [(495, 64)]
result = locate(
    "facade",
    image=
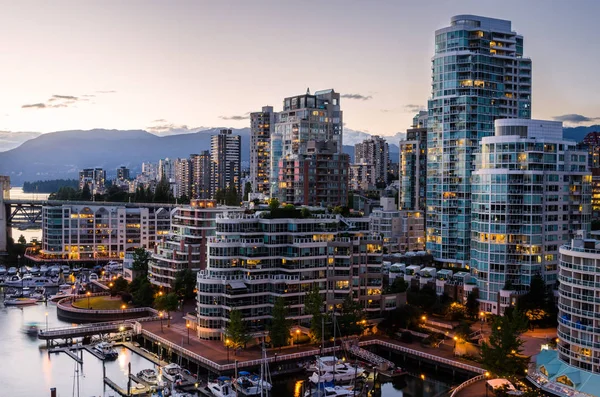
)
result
[(94, 178), (573, 369), (225, 156), (92, 232), (183, 178), (123, 174), (253, 259), (530, 193), (592, 143), (200, 175), (374, 150), (261, 125), (402, 231), (479, 75), (413, 166), (166, 169), (184, 247), (318, 178), (361, 176)]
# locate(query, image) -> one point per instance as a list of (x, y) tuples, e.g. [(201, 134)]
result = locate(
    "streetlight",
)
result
[(297, 339), (227, 345), (160, 314), (88, 296), (123, 307), (187, 325), (46, 321), (422, 376)]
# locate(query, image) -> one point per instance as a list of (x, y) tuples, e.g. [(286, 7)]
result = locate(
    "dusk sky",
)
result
[(187, 64)]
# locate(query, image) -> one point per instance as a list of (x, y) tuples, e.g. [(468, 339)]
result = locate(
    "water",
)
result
[(17, 193)]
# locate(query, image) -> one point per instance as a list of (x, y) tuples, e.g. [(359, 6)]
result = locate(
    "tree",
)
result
[(398, 286), (313, 304), (185, 283), (140, 261), (351, 320), (457, 311), (86, 195), (247, 190), (119, 285), (22, 240), (502, 355), (279, 330), (167, 303), (162, 193), (144, 294), (235, 332), (273, 204), (473, 304)]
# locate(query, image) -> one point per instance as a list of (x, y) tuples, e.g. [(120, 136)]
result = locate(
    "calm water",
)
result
[(17, 193)]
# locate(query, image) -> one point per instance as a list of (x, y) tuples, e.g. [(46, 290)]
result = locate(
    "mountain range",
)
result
[(62, 154)]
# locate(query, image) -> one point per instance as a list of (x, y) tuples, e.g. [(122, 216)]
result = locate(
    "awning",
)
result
[(237, 285)]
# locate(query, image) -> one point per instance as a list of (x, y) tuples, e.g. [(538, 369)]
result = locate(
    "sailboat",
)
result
[(247, 384)]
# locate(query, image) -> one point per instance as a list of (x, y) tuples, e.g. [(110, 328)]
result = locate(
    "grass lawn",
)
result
[(100, 303)]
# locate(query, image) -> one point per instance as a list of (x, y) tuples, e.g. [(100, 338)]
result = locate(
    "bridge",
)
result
[(87, 330)]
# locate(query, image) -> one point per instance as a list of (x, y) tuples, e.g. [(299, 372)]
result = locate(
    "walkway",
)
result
[(477, 389)]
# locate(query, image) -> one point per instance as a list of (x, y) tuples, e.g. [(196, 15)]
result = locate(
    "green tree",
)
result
[(22, 240), (167, 303), (86, 195), (502, 355), (247, 190), (119, 285), (144, 294), (399, 285), (472, 304), (235, 332), (162, 193), (279, 330), (273, 204), (185, 283), (351, 320), (456, 311), (140, 261), (313, 305)]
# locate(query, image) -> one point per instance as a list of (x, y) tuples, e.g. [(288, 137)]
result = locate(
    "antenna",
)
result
[(307, 91)]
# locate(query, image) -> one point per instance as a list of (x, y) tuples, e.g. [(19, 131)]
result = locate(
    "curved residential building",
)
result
[(530, 192), (254, 259), (185, 245), (573, 369)]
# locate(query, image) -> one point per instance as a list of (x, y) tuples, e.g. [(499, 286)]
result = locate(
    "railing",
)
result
[(466, 384), (71, 299)]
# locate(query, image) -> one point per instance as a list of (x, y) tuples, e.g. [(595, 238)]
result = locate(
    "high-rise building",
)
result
[(261, 125), (123, 173), (166, 170), (530, 193), (94, 178), (361, 176), (592, 143), (374, 150), (479, 75), (573, 369), (150, 170), (200, 175), (308, 133), (183, 178), (253, 259), (413, 166), (401, 230), (225, 155), (184, 247)]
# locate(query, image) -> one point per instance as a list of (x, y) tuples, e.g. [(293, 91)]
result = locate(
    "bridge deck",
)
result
[(83, 330)]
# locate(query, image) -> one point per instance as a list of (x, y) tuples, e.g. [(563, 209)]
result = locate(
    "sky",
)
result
[(181, 65)]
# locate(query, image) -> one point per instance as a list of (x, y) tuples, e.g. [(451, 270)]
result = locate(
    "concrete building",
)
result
[(402, 231), (362, 177), (261, 125), (530, 193), (375, 151), (184, 247), (200, 175), (592, 143), (225, 156), (123, 174), (94, 178), (413, 166), (255, 258), (97, 232), (573, 369), (183, 178), (479, 75)]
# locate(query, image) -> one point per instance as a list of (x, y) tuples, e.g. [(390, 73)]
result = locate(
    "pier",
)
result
[(68, 352)]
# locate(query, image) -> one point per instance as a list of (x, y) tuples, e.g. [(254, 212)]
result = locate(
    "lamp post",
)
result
[(88, 296), (160, 314), (123, 307), (227, 345), (46, 321), (297, 339), (187, 325)]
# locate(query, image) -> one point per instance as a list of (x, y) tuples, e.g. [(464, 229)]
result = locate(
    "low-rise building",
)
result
[(401, 231)]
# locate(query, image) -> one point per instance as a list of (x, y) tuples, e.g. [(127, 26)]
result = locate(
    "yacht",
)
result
[(148, 375), (30, 329), (250, 385), (329, 390), (39, 294), (66, 269), (221, 387), (172, 372), (20, 302), (64, 290), (2, 270), (23, 270), (106, 350), (34, 269), (43, 269), (93, 277), (12, 271), (30, 281), (341, 373)]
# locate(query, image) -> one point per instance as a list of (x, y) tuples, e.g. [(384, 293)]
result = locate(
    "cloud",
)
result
[(236, 118), (34, 106), (106, 92), (412, 108), (357, 96), (386, 110), (575, 118), (59, 97), (159, 121)]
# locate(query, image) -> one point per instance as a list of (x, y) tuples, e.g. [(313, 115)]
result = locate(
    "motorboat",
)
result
[(329, 389), (106, 350), (149, 376), (43, 269), (39, 293), (250, 385), (23, 270), (93, 277), (64, 290), (221, 387), (172, 372), (20, 302), (34, 270), (30, 281), (341, 373), (30, 329), (326, 363), (2, 270), (11, 271)]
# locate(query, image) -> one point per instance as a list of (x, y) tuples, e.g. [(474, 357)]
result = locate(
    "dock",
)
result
[(123, 392), (68, 352)]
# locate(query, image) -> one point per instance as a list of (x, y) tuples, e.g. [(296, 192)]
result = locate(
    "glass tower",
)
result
[(478, 75)]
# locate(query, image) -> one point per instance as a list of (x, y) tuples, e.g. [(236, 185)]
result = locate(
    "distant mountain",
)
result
[(10, 140), (578, 133)]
